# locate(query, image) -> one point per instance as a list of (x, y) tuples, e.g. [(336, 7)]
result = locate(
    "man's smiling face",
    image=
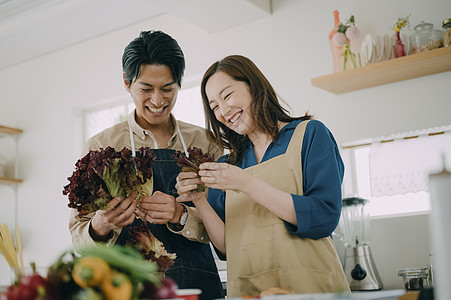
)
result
[(154, 93)]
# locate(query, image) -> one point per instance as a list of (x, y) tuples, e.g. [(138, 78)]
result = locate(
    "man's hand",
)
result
[(160, 208), (118, 214)]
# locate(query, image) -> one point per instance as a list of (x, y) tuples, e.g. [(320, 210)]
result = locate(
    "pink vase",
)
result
[(337, 51), (399, 47)]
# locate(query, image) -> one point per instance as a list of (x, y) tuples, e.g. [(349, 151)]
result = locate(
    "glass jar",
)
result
[(446, 24), (425, 38), (415, 279)]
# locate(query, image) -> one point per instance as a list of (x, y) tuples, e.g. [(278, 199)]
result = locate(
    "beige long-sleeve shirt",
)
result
[(118, 137)]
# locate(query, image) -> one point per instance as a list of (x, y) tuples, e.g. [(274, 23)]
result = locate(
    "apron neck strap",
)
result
[(132, 141), (182, 141)]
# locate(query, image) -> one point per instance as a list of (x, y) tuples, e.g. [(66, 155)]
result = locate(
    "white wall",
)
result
[(291, 46)]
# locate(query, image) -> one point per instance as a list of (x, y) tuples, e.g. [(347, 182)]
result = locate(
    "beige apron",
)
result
[(261, 253)]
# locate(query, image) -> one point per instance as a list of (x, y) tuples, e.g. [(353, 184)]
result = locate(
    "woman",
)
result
[(275, 199)]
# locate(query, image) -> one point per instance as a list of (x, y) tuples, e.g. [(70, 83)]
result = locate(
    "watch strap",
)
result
[(181, 223)]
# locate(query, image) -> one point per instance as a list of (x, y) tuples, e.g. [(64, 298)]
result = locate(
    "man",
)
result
[(153, 66)]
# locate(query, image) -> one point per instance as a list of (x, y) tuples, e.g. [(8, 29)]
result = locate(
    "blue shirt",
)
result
[(318, 210)]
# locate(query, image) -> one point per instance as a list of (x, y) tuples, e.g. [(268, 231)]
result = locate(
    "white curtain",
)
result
[(403, 165)]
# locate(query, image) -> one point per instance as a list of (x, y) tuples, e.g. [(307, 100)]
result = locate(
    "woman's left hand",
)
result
[(186, 187), (223, 176)]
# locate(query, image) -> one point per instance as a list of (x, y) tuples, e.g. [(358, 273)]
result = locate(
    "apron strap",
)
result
[(297, 138), (132, 141), (182, 141)]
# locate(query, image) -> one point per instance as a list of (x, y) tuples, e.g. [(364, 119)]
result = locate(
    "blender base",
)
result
[(360, 270)]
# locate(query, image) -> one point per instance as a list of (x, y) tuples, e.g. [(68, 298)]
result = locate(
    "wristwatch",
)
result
[(183, 218)]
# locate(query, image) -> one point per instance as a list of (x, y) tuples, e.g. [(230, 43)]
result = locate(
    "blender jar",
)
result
[(354, 222), (415, 279)]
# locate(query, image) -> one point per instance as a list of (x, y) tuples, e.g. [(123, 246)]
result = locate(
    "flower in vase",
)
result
[(339, 39), (352, 33), (399, 47), (346, 33), (401, 23)]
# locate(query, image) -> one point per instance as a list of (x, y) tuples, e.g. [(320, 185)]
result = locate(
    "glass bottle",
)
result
[(337, 51), (446, 24)]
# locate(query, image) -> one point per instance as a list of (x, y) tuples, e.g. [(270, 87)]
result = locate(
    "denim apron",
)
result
[(194, 266), (261, 253)]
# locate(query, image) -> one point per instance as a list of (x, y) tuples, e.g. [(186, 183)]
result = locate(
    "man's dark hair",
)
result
[(153, 48)]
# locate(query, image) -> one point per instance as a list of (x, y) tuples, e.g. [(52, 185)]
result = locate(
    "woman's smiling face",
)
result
[(230, 100)]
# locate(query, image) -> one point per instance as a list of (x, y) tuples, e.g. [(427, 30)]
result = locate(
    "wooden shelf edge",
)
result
[(389, 71), (10, 130), (6, 180)]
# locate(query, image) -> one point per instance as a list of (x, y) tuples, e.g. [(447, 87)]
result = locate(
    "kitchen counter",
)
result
[(379, 295), (409, 296)]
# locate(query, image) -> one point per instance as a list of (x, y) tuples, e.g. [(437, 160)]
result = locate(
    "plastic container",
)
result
[(415, 279)]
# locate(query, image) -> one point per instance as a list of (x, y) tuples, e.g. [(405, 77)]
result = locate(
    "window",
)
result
[(189, 106), (392, 172), (96, 120)]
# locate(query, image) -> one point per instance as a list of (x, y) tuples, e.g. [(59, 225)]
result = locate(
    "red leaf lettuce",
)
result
[(193, 161), (104, 174)]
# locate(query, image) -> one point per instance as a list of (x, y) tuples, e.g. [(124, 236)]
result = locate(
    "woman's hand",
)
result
[(186, 187), (118, 214), (223, 176)]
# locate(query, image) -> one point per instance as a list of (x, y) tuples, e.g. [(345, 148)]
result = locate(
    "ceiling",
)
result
[(32, 28)]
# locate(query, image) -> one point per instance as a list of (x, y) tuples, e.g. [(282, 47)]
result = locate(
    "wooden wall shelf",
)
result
[(10, 181), (15, 181), (10, 130), (393, 70)]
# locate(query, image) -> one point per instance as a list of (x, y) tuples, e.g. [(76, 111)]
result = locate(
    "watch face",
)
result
[(183, 218)]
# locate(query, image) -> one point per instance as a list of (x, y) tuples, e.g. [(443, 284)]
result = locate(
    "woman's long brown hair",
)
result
[(265, 108)]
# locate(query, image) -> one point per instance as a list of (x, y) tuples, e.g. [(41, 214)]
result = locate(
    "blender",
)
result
[(359, 267)]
